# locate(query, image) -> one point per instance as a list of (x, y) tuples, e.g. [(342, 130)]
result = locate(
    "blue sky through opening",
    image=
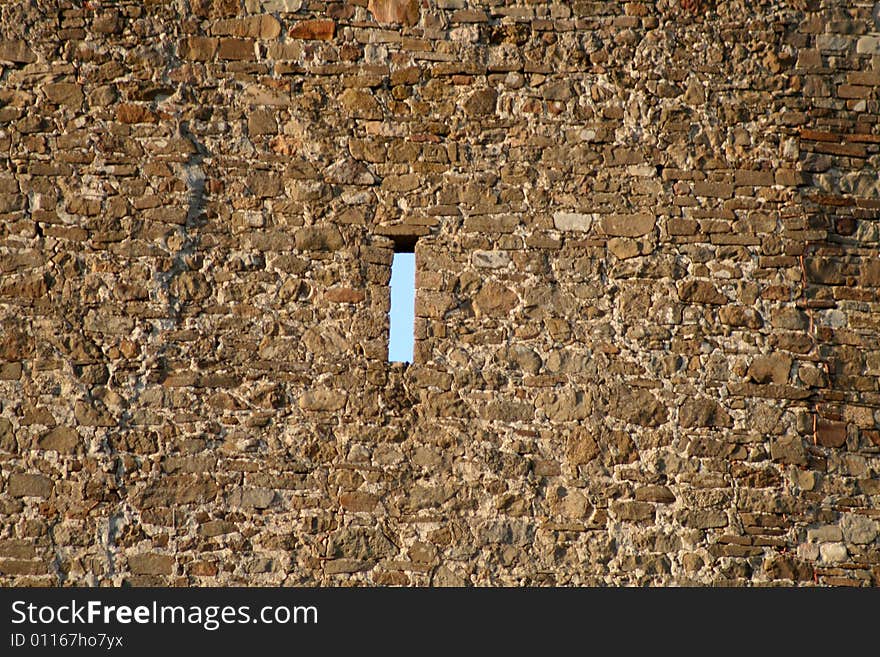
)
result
[(403, 300)]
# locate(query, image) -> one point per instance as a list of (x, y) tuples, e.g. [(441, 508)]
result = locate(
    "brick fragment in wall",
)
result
[(405, 12), (320, 30), (645, 312)]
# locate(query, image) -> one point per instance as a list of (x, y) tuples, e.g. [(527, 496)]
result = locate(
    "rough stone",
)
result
[(318, 238), (566, 405), (61, 439), (360, 543), (64, 93), (633, 511), (581, 448), (825, 270), (870, 273), (281, 6), (706, 519), (695, 291), (236, 49), (659, 494), (16, 51), (770, 369), (201, 49), (637, 406), (10, 371), (178, 489), (624, 248), (358, 502), (22, 567), (258, 27), (131, 113), (262, 122), (322, 400), (524, 358), (508, 411), (7, 436), (252, 498), (29, 485), (560, 90), (572, 221), (633, 225), (491, 259), (787, 568), (151, 564), (833, 552), (190, 286), (346, 566), (741, 317), (789, 449), (496, 300), (481, 102), (215, 8), (360, 104), (349, 172), (703, 412), (216, 528), (858, 529), (868, 45), (345, 295)]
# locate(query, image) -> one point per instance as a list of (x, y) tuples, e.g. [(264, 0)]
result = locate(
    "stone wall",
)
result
[(648, 322)]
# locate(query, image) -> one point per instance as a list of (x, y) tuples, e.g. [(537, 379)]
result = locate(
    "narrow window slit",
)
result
[(402, 316)]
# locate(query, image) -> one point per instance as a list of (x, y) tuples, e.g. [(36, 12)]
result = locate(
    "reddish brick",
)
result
[(321, 30), (819, 135), (344, 295), (831, 434), (131, 113)]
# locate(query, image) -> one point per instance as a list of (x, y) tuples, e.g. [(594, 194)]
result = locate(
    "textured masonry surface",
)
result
[(648, 306)]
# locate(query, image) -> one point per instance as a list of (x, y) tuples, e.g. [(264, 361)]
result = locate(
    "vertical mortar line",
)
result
[(810, 330)]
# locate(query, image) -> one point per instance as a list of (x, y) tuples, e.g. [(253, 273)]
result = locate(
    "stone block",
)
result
[(698, 291), (200, 49), (64, 93), (830, 434), (318, 238), (16, 51), (572, 221), (789, 449), (151, 564), (322, 400), (481, 103), (633, 511), (29, 485), (868, 45), (251, 498), (61, 439), (230, 48), (496, 300), (265, 26), (703, 412), (628, 225)]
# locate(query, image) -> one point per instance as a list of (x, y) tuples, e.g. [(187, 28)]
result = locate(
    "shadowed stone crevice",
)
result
[(182, 283)]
